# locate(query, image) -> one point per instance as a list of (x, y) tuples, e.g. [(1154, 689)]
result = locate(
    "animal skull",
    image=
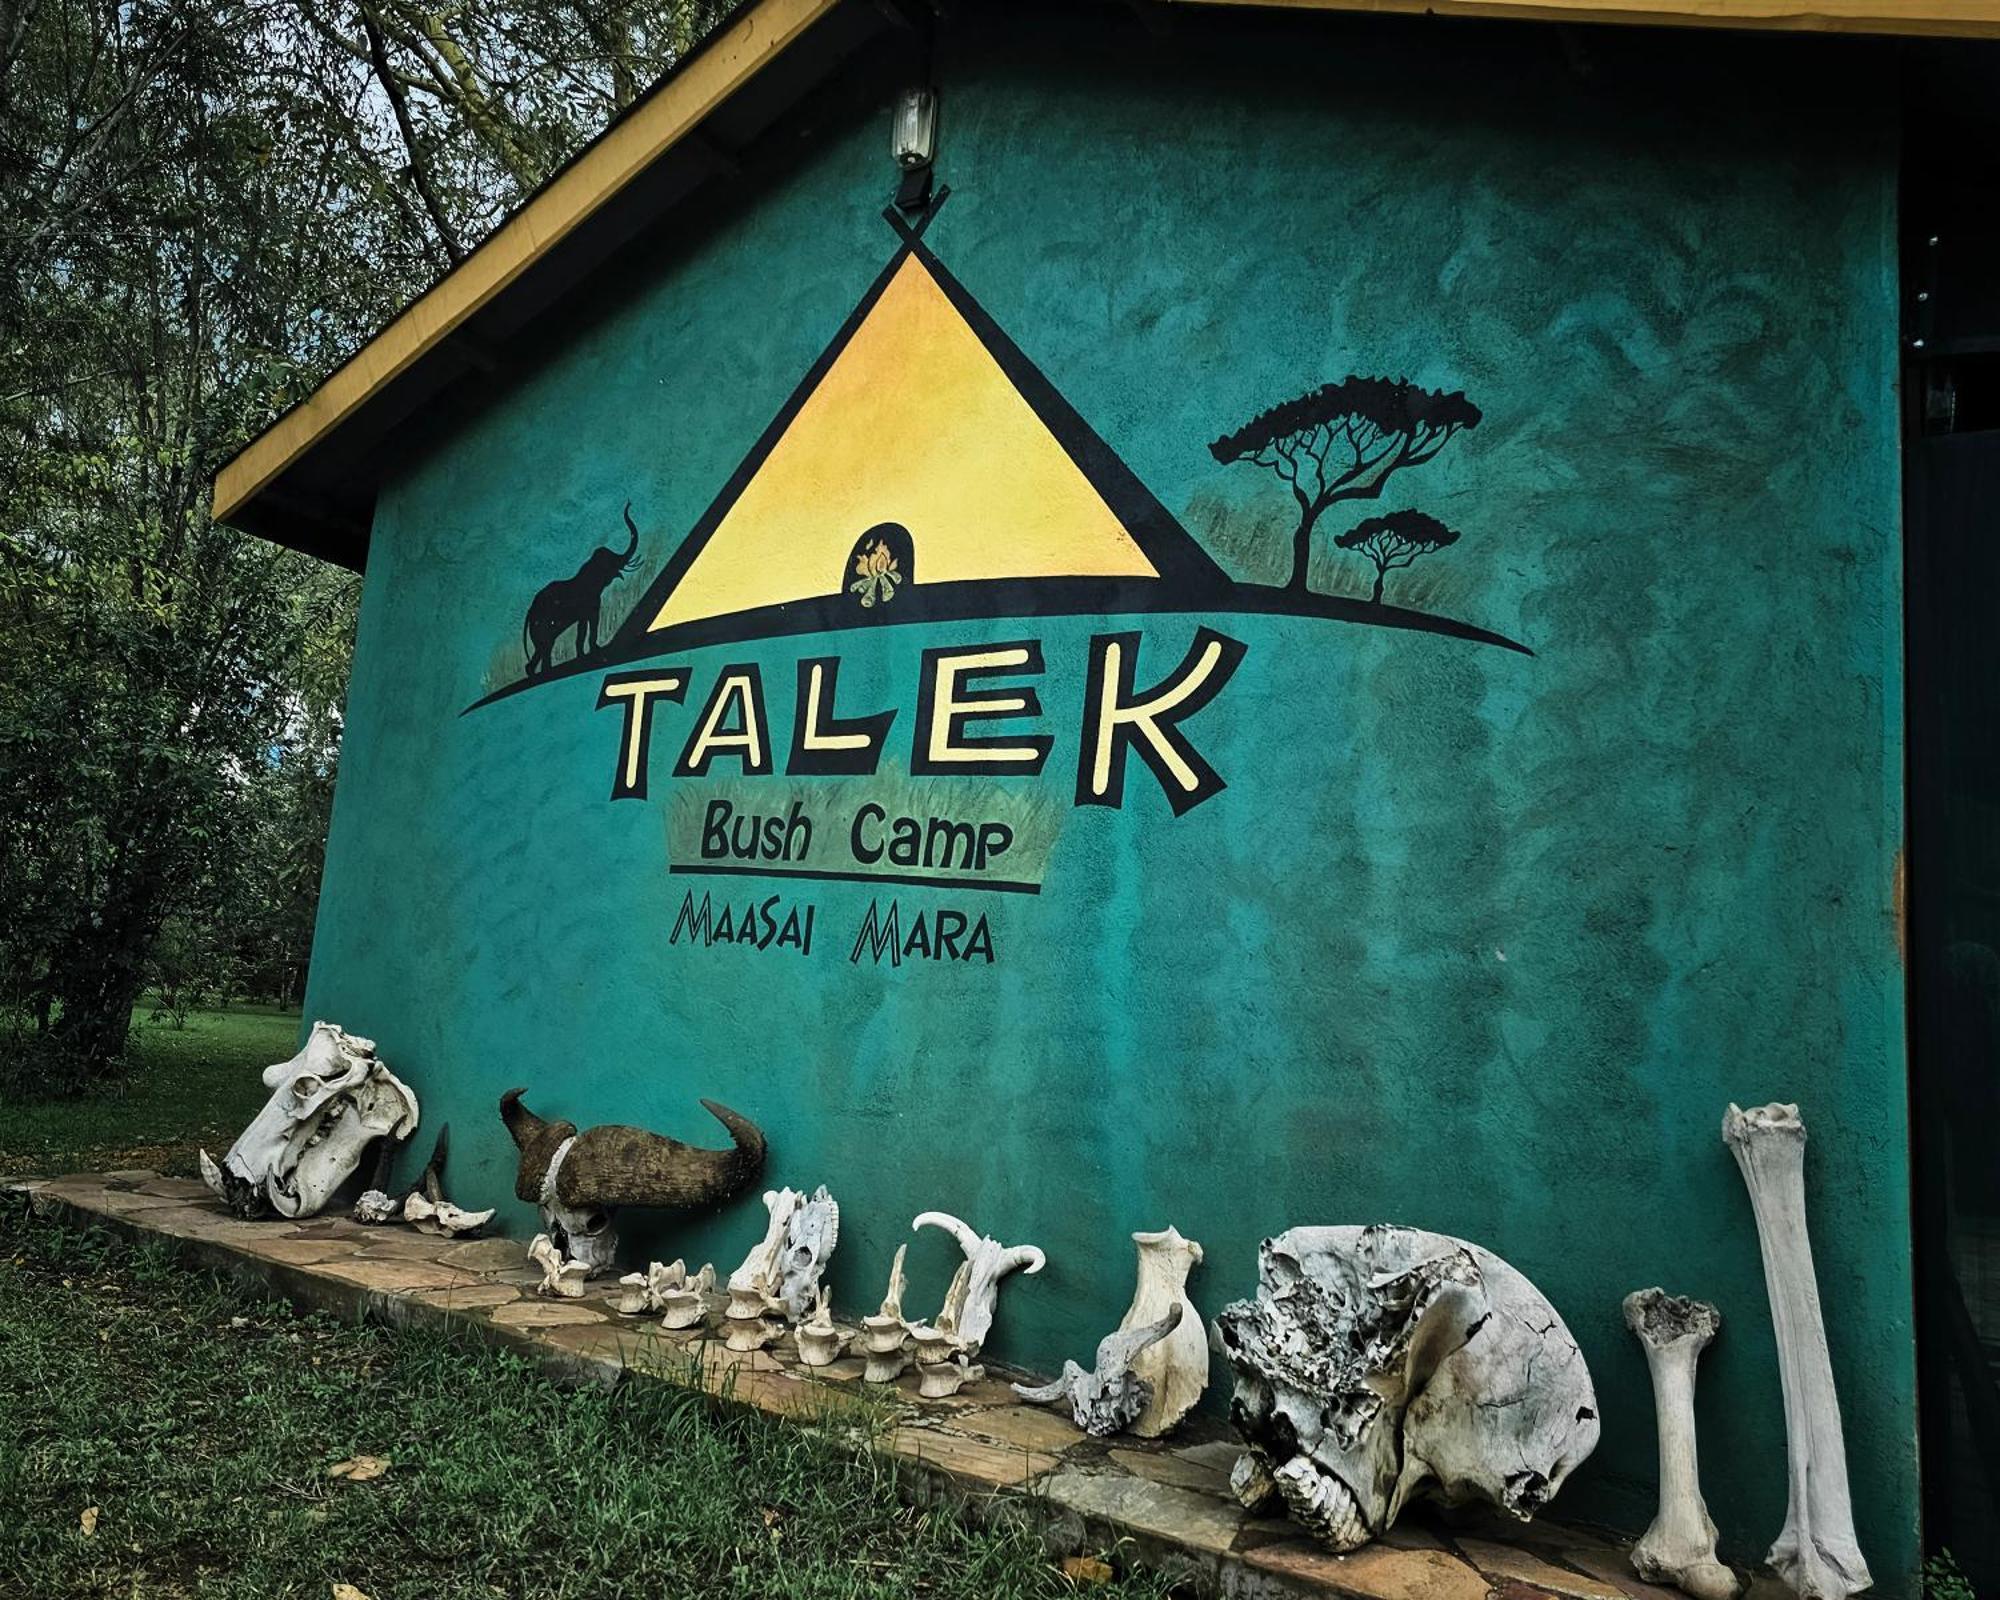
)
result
[(974, 1294), (582, 1233), (579, 1179), (328, 1104), (1111, 1396), (1378, 1363)]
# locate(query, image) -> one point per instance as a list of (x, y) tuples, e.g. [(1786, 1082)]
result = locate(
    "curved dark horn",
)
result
[(748, 1136), (430, 1182), (537, 1141), (383, 1160), (631, 549), (619, 1166)]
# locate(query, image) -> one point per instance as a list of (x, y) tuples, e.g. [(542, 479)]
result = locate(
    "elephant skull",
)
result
[(1380, 1363)]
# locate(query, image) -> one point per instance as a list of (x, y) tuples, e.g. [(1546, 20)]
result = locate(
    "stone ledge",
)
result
[(1161, 1504)]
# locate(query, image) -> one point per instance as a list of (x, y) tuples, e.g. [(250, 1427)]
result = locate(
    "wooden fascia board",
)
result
[(1972, 19)]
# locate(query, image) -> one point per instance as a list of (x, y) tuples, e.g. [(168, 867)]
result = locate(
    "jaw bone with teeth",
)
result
[(1382, 1362), (579, 1179), (328, 1104)]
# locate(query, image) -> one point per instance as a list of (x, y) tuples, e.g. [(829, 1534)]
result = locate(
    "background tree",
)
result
[(204, 205), (1344, 441), (1395, 540)]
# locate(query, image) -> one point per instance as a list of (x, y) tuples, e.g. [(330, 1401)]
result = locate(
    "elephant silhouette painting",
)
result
[(574, 602)]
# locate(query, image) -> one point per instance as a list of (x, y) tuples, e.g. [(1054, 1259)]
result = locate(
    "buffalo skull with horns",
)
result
[(579, 1179)]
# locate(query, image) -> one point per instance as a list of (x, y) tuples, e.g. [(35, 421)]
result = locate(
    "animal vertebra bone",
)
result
[(970, 1302), (1679, 1548), (1816, 1551), (685, 1306), (820, 1342), (1177, 1366), (1110, 1397), (561, 1279), (885, 1335), (644, 1292), (328, 1104), (943, 1366), (1380, 1362), (579, 1179)]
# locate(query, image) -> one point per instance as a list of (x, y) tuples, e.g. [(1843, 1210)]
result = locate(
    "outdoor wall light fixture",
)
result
[(913, 142)]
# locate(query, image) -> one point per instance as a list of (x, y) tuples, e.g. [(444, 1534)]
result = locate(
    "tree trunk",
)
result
[(1302, 543), (100, 973), (1376, 597)]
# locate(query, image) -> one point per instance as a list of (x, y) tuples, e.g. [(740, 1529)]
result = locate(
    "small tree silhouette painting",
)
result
[(1396, 540), (1344, 441)]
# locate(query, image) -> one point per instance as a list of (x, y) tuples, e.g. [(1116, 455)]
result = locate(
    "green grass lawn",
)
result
[(186, 1088), (162, 1436)]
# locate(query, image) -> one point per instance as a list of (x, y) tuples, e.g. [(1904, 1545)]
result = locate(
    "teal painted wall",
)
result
[(1474, 940)]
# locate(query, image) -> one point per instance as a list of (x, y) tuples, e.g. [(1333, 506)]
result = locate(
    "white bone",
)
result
[(762, 1267), (944, 1365), (644, 1292), (943, 1379), (974, 1294), (820, 1342), (441, 1218), (687, 1304), (372, 1208), (811, 1232), (587, 1237), (1816, 1551), (1380, 1363), (1111, 1396), (885, 1336), (561, 1280), (1679, 1548), (328, 1104), (892, 1301), (1176, 1367), (885, 1366)]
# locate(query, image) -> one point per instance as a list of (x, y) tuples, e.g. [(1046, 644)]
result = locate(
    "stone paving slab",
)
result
[(1163, 1503)]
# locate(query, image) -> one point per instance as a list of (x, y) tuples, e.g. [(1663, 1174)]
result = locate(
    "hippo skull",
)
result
[(328, 1104), (1380, 1363)]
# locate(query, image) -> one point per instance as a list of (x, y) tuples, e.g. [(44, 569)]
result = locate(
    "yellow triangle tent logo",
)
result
[(924, 469)]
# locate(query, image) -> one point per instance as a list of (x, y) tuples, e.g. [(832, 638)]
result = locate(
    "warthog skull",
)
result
[(328, 1104), (1379, 1363)]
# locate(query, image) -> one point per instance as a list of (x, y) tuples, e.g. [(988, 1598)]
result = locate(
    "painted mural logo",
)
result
[(999, 502)]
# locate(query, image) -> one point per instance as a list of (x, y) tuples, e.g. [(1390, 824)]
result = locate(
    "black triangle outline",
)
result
[(1192, 574)]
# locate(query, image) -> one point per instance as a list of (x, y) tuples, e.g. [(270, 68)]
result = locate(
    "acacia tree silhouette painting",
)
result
[(1395, 540), (1344, 441)]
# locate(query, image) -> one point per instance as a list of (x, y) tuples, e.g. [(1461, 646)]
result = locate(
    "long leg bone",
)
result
[(1679, 1548), (1815, 1552)]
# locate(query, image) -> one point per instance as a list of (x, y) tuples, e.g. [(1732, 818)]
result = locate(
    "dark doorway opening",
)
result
[(1951, 394)]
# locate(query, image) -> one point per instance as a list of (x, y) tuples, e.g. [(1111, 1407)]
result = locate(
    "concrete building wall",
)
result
[(1475, 938)]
